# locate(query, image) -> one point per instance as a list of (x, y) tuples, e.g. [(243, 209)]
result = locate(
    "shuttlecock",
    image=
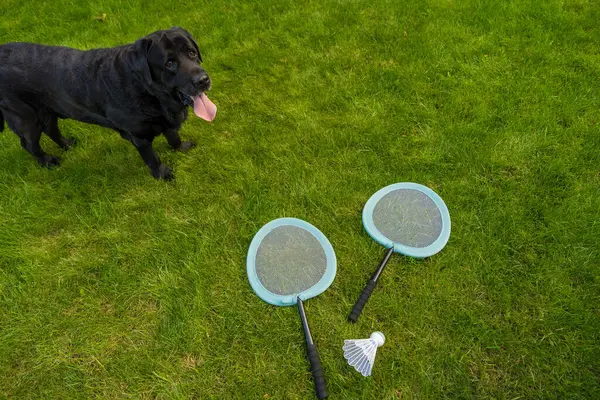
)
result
[(360, 353)]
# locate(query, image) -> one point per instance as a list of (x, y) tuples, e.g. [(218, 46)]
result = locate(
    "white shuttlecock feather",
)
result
[(360, 353)]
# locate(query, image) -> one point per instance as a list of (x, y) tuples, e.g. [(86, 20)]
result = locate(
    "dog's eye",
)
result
[(192, 54), (171, 65)]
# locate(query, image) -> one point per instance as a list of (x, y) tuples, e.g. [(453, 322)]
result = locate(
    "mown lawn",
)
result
[(114, 285)]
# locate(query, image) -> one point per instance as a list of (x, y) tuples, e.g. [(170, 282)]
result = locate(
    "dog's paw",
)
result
[(163, 172), (68, 143), (49, 161), (185, 146)]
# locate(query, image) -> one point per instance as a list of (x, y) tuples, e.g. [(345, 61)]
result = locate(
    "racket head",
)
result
[(290, 258), (409, 217)]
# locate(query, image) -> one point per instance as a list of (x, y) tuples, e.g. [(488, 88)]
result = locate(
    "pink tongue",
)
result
[(204, 108)]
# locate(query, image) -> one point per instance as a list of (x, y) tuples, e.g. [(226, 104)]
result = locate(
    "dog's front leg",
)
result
[(175, 142), (158, 169)]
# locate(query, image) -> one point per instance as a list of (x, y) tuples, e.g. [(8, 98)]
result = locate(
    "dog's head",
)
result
[(169, 61)]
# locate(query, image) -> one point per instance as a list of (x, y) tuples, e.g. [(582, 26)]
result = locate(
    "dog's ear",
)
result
[(137, 58), (190, 37)]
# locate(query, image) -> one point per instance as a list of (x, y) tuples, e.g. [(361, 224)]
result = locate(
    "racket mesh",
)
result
[(289, 260), (408, 217)]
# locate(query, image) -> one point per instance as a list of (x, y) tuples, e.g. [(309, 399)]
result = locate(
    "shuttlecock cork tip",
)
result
[(378, 337)]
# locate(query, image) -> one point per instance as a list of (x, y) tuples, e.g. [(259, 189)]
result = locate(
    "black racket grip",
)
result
[(362, 300), (317, 371)]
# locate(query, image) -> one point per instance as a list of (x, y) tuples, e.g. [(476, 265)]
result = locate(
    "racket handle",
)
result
[(366, 293), (362, 300), (317, 371)]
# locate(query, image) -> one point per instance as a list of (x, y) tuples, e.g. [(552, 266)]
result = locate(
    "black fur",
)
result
[(128, 89)]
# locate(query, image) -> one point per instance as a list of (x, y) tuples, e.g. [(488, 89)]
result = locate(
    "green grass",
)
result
[(114, 285)]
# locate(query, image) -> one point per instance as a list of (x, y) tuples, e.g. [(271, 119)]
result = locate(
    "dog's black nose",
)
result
[(201, 80)]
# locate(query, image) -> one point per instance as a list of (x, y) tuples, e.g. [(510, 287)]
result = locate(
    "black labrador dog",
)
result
[(141, 90)]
